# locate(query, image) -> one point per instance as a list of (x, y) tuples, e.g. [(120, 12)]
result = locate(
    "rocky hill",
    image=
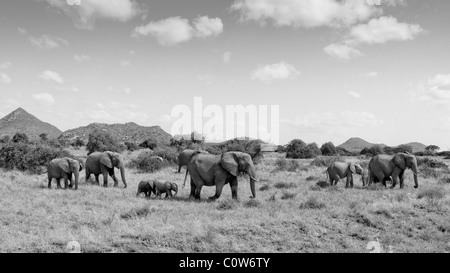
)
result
[(131, 132), (356, 144), (21, 121)]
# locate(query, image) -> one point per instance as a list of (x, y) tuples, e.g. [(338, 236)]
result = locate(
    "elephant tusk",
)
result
[(256, 180)]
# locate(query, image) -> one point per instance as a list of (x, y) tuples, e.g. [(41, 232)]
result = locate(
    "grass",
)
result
[(294, 215)]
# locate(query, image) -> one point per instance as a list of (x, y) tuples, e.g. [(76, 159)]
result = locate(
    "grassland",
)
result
[(290, 214)]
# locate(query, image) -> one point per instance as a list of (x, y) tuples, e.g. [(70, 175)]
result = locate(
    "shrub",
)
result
[(444, 180), (293, 165), (312, 203), (29, 157), (280, 149), (79, 142), (281, 164), (403, 149), (432, 163), (297, 148), (20, 138), (146, 162), (131, 146), (252, 203), (227, 204), (136, 212), (150, 143), (284, 185), (328, 149), (5, 139), (427, 172), (432, 193), (264, 187), (100, 141), (323, 161), (288, 195), (44, 137), (166, 152)]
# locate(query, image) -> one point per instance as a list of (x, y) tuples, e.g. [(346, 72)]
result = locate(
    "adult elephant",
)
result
[(218, 170), (63, 168), (381, 166), (104, 163), (338, 170), (185, 156)]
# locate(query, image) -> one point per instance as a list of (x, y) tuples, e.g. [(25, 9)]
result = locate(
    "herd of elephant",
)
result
[(218, 170)]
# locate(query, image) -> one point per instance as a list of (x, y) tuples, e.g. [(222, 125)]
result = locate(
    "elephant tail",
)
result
[(184, 183)]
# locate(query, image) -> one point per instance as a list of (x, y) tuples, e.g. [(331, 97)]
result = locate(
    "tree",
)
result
[(20, 138), (150, 143), (43, 136), (432, 148), (79, 141), (328, 149), (100, 141), (403, 149), (388, 150), (297, 148), (376, 150)]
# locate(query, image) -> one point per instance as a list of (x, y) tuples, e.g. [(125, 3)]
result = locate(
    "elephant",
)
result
[(185, 156), (381, 166), (64, 168), (167, 188), (103, 163), (209, 170), (145, 187), (339, 170)]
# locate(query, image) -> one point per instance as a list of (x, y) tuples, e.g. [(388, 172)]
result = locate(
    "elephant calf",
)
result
[(339, 170), (167, 187), (145, 187), (63, 168)]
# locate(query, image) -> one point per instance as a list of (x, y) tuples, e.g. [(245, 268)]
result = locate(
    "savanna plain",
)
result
[(294, 211)]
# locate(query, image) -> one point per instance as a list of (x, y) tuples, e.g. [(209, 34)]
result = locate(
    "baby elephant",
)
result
[(339, 170), (145, 187), (167, 187)]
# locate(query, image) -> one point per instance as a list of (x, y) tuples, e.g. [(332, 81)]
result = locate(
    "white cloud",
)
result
[(4, 78), (306, 13), (127, 90), (5, 65), (89, 11), (22, 31), (206, 26), (278, 71), (435, 90), (206, 78), (355, 94), (342, 51), (47, 42), (384, 29), (372, 74), (45, 98), (226, 57), (48, 75), (175, 30), (125, 63), (81, 58)]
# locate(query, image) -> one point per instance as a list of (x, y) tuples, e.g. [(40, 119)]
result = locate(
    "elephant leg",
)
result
[(50, 182), (58, 183), (66, 182), (197, 191), (70, 180), (401, 178), (234, 188), (193, 187), (395, 176), (97, 179), (348, 182), (113, 176), (88, 176), (105, 178), (179, 168)]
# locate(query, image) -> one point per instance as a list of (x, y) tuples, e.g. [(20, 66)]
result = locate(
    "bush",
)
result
[(20, 138), (326, 161), (146, 162), (5, 139), (288, 195), (432, 193), (432, 163), (150, 143), (166, 152), (284, 185), (100, 141), (280, 149), (297, 148), (79, 142), (29, 157), (328, 149), (403, 149), (312, 203), (131, 146)]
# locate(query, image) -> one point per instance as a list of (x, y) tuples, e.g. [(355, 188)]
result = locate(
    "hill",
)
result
[(356, 144), (130, 131), (21, 121)]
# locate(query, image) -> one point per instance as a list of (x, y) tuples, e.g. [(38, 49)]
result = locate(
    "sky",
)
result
[(336, 69)]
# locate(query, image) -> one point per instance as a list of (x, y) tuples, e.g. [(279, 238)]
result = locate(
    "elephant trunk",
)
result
[(122, 175), (415, 172)]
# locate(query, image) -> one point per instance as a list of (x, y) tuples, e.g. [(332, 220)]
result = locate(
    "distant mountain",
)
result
[(356, 144), (130, 131), (21, 121)]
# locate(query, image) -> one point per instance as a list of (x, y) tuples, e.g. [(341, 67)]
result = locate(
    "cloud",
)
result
[(372, 74), (305, 13), (89, 11), (5, 65), (22, 31), (376, 31), (47, 42), (206, 78), (384, 29), (356, 95), (4, 78), (125, 63), (342, 51), (127, 90), (45, 99), (435, 90), (226, 57), (51, 76), (81, 58), (278, 71), (206, 27), (175, 30)]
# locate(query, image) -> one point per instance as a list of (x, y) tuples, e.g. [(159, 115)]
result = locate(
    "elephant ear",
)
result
[(64, 165), (229, 162), (106, 160), (399, 160), (352, 167)]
